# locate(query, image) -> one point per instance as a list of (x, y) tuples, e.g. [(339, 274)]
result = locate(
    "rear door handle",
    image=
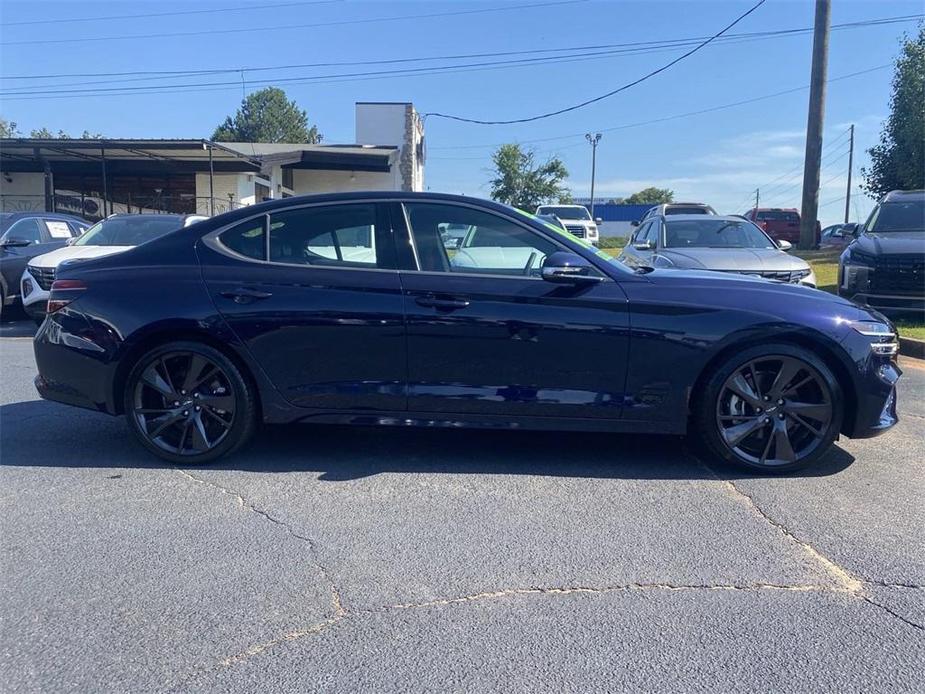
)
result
[(245, 295), (448, 303)]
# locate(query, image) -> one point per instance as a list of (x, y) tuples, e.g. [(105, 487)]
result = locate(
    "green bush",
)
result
[(611, 242)]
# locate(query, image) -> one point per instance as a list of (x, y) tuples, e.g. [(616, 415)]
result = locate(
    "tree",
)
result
[(267, 116), (656, 196), (898, 162), (520, 182), (8, 128), (46, 134)]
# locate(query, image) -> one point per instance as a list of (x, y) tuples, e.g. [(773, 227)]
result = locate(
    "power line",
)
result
[(95, 19), (677, 116), (343, 22), (50, 90), (588, 102), (632, 48)]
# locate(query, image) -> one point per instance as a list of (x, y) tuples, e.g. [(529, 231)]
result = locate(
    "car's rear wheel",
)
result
[(774, 408), (189, 404)]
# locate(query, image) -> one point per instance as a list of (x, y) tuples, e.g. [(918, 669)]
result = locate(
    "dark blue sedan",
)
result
[(352, 308)]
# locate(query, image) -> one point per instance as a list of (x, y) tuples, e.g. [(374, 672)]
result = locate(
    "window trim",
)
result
[(404, 202), (212, 239)]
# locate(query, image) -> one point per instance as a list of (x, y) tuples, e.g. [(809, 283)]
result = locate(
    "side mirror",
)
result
[(72, 240), (598, 220), (563, 267), (15, 243), (852, 229), (635, 222), (784, 245), (643, 246)]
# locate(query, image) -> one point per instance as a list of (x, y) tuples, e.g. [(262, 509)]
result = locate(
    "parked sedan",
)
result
[(24, 235), (348, 308), (115, 234), (837, 235), (724, 244)]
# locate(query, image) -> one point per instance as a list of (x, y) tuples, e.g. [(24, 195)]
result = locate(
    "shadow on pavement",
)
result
[(17, 328), (80, 438)]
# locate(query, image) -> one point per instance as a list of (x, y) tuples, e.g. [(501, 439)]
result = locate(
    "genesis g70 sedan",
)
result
[(352, 309)]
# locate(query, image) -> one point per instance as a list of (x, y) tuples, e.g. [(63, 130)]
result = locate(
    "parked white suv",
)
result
[(576, 218), (115, 234)]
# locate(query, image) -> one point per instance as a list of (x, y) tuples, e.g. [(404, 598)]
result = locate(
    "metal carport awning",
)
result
[(109, 157)]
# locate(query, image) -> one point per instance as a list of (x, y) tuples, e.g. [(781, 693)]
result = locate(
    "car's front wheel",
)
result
[(773, 407), (189, 404)]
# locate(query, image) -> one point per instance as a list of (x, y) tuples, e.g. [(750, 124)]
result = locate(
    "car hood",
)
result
[(782, 294), (734, 259), (55, 258), (890, 242)]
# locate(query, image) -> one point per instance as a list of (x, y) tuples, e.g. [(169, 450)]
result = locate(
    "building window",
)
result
[(287, 178)]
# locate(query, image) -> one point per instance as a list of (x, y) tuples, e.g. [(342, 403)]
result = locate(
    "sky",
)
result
[(719, 157)]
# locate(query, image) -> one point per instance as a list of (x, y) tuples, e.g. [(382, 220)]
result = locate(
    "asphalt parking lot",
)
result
[(329, 559)]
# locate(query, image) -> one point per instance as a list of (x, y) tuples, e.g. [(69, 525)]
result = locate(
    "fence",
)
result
[(94, 207)]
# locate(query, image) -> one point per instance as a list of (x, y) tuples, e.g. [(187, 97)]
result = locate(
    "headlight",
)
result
[(871, 328), (797, 275), (885, 343)]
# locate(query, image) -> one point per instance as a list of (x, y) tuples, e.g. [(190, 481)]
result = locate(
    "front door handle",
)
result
[(447, 303), (245, 295)]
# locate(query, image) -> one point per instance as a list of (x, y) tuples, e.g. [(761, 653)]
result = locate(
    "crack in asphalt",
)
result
[(914, 625), (339, 610), (844, 581)]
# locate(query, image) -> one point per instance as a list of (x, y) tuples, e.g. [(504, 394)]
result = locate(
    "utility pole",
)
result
[(813, 161), (850, 166), (757, 199), (593, 139)]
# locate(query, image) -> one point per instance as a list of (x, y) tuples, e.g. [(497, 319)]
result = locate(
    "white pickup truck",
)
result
[(576, 219)]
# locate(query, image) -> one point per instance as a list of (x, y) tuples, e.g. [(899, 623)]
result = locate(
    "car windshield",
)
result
[(714, 233), (566, 211), (128, 231), (898, 216)]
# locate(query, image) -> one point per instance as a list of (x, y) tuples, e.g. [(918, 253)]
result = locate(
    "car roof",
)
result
[(904, 195), (704, 218), (162, 215), (44, 215), (359, 196)]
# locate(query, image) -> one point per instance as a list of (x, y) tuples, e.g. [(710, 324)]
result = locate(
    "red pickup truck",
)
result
[(780, 224)]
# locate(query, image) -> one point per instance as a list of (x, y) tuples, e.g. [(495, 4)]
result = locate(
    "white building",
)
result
[(94, 178)]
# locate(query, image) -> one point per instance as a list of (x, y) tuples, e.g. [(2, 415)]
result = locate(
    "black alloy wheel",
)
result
[(188, 403), (777, 409)]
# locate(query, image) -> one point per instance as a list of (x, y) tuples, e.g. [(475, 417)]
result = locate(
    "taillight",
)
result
[(763, 225), (64, 292)]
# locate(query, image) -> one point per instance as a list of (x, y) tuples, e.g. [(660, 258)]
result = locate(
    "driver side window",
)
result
[(28, 229), (491, 245)]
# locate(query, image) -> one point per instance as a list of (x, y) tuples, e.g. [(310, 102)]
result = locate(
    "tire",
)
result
[(215, 417), (786, 423)]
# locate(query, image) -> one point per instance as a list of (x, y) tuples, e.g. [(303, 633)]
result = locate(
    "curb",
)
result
[(911, 347)]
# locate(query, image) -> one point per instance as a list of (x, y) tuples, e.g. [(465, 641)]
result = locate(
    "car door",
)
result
[(314, 294), (488, 337), (33, 231)]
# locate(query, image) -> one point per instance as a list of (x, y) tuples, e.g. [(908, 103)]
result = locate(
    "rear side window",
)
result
[(778, 216), (343, 235), (247, 238), (686, 210)]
